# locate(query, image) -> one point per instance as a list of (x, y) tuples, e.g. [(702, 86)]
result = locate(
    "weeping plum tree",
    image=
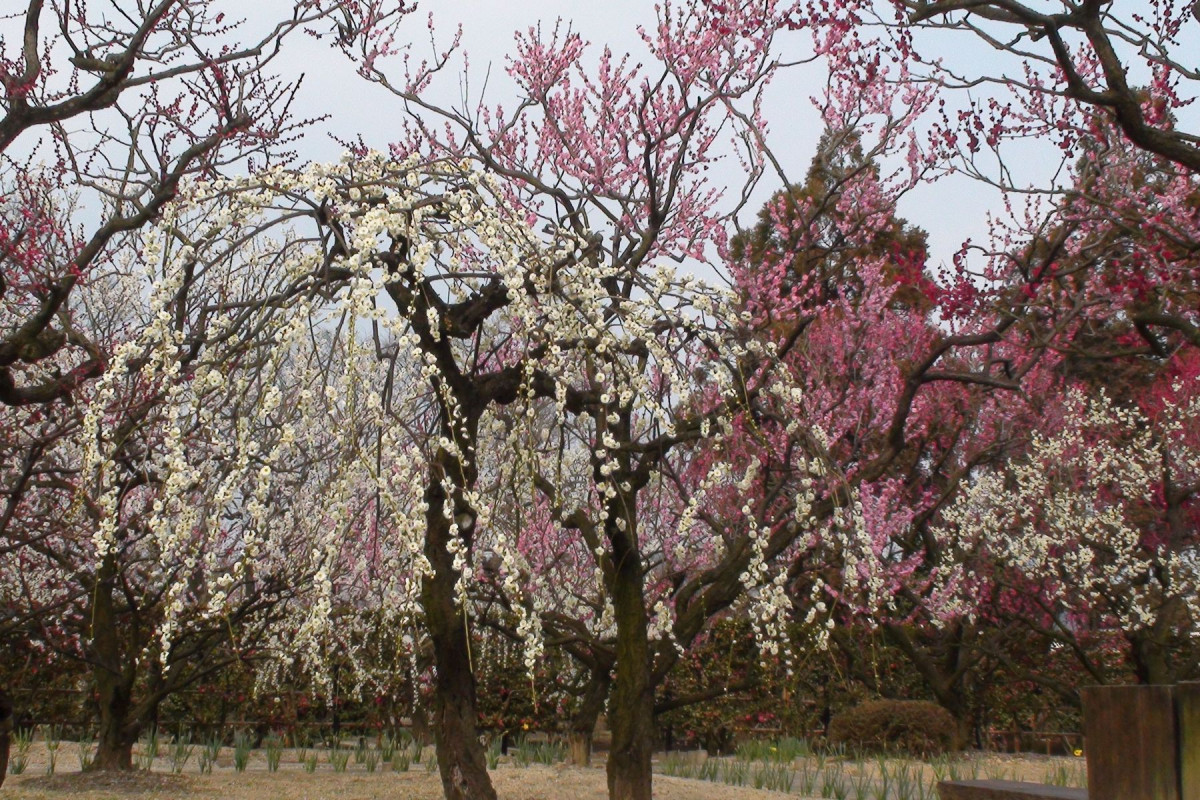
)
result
[(612, 157), (483, 313), (105, 112), (672, 498), (171, 504)]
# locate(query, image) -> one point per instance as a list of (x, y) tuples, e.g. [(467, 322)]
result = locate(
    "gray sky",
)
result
[(488, 29), (949, 211)]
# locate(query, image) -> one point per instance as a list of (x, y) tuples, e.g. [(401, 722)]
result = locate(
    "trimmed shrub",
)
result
[(913, 728)]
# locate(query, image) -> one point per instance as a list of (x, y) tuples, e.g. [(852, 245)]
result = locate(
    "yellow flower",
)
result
[(1078, 751)]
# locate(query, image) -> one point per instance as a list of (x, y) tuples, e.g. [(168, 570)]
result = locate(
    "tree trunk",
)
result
[(114, 679), (118, 727), (1153, 661), (114, 745), (461, 758), (631, 711), (579, 748), (583, 723), (6, 725), (949, 683), (1150, 656)]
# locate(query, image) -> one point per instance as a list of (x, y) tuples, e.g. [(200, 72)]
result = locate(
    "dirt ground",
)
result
[(535, 782), (532, 783)]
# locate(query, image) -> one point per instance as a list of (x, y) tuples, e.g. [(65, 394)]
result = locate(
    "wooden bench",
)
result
[(1006, 790)]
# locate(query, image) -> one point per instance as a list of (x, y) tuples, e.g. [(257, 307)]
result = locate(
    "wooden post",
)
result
[(1133, 743), (1187, 713), (1143, 743)]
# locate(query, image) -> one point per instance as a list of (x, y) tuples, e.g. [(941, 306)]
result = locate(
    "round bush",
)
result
[(904, 727)]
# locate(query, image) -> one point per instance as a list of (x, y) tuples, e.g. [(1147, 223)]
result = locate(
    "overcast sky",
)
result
[(488, 28), (949, 211)]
